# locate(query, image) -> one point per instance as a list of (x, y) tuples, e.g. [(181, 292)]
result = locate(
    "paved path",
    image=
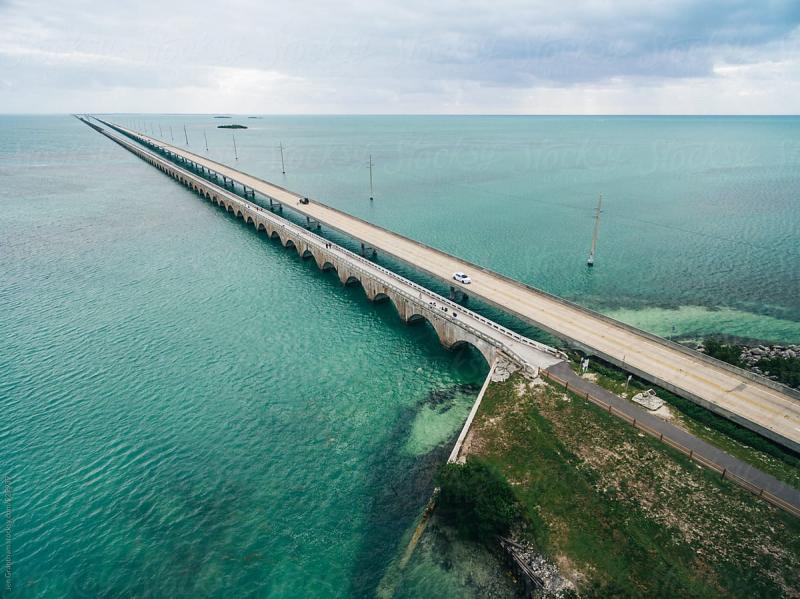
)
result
[(733, 465), (759, 404)]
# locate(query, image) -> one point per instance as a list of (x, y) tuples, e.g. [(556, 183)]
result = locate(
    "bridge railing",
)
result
[(319, 242), (441, 299)]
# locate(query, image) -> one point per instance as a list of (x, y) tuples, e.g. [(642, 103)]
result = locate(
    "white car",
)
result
[(462, 278)]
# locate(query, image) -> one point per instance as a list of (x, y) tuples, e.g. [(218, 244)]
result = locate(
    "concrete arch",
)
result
[(346, 275), (328, 265), (289, 243), (250, 220), (418, 318), (488, 355), (261, 227), (376, 291), (239, 214), (302, 249), (305, 253), (319, 257), (453, 336), (349, 280)]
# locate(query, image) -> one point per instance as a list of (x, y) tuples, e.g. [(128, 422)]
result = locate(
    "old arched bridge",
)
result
[(454, 325)]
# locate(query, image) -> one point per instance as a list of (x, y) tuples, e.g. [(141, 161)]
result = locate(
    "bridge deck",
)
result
[(759, 404)]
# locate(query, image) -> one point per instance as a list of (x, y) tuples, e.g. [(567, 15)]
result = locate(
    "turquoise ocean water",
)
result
[(190, 410)]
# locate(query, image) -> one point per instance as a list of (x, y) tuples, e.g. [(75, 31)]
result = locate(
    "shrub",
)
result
[(477, 500), (722, 351), (787, 370)]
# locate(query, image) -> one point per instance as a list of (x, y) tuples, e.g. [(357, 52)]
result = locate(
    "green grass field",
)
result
[(624, 515), (740, 442)]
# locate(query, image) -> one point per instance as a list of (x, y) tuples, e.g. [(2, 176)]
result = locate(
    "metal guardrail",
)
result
[(690, 453), (319, 241)]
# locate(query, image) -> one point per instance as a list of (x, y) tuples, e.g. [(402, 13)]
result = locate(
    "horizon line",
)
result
[(420, 114)]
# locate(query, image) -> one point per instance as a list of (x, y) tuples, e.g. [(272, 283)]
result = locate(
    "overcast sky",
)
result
[(407, 56)]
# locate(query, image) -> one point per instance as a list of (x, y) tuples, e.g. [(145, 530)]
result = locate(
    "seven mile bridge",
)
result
[(753, 401)]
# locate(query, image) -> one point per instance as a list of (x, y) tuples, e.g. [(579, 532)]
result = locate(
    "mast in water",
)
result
[(590, 260), (371, 194)]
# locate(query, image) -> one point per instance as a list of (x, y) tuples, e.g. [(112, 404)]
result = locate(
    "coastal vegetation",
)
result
[(621, 513), (741, 442), (786, 370), (476, 500), (723, 351), (777, 362)]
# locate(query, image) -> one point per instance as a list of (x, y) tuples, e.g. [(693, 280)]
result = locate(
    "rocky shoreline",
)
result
[(750, 356)]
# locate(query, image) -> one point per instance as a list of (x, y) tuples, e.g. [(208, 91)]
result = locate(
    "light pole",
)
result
[(370, 179)]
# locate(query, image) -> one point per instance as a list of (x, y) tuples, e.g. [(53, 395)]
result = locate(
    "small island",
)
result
[(222, 117), (231, 127)]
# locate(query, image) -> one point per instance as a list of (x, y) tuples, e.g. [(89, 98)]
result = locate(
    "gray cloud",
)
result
[(478, 55)]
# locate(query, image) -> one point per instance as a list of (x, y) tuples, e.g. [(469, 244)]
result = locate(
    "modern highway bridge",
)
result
[(755, 402)]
